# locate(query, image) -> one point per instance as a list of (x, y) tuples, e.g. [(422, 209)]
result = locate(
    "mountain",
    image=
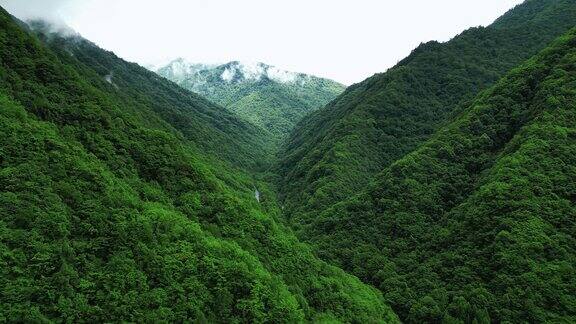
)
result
[(337, 150), (440, 191), (126, 198), (268, 97), (477, 224), (446, 182)]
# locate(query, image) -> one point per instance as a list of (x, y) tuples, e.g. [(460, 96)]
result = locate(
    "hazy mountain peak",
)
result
[(231, 72), (266, 95), (180, 69)]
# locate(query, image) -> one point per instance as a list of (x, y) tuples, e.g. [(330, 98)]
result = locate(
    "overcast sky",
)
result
[(347, 41)]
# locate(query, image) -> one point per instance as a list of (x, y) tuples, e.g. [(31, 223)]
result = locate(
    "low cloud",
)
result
[(49, 15), (52, 10)]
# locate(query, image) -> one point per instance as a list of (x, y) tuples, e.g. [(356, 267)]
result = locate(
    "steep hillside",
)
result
[(265, 95), (124, 198), (149, 97), (477, 224), (336, 151)]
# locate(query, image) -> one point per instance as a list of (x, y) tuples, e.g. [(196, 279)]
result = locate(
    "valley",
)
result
[(439, 191)]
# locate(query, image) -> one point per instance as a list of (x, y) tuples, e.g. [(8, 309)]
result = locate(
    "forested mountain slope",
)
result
[(477, 224), (206, 125), (122, 198), (271, 98), (338, 149)]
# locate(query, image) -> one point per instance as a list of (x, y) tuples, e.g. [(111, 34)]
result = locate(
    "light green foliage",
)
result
[(274, 105)]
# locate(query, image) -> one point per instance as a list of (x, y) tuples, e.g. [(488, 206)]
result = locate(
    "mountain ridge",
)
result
[(267, 96), (440, 191), (336, 150), (371, 183), (476, 223)]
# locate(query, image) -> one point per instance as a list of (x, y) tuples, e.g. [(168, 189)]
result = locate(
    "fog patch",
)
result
[(52, 27), (45, 16), (52, 10), (257, 194), (228, 74), (108, 78)]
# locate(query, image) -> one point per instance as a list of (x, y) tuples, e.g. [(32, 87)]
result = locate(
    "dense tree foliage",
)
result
[(209, 127), (477, 224), (272, 104), (125, 198), (334, 153), (460, 224), (445, 187)]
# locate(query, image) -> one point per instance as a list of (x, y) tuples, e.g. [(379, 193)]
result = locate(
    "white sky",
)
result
[(347, 41)]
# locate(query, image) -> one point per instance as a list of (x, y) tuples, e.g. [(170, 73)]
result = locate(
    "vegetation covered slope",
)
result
[(333, 154), (265, 95), (209, 127), (477, 224), (109, 210)]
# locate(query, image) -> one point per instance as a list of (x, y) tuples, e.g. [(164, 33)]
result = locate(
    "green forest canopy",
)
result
[(130, 200), (445, 187), (477, 224)]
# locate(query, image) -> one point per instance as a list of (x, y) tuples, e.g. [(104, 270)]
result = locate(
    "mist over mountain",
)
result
[(268, 97)]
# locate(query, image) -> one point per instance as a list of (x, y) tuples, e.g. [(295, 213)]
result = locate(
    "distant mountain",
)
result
[(265, 95)]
